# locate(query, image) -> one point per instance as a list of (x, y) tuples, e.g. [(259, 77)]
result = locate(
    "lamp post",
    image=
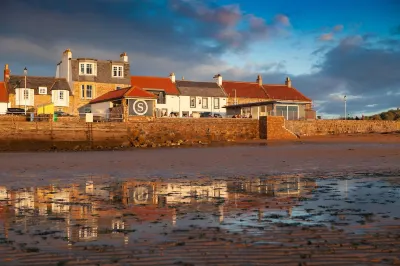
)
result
[(25, 74), (345, 111), (235, 97)]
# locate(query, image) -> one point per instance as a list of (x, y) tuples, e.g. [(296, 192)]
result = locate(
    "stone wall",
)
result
[(276, 129), (326, 127), (138, 133), (98, 90)]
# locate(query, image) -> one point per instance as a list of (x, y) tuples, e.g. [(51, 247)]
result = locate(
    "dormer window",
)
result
[(87, 69), (42, 90), (117, 71)]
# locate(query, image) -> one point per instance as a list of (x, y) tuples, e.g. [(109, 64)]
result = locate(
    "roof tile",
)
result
[(155, 83), (129, 92)]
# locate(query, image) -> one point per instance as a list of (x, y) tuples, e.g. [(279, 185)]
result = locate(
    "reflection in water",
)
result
[(133, 214), (90, 211)]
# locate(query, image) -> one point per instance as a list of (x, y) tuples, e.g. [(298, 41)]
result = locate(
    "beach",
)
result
[(321, 200)]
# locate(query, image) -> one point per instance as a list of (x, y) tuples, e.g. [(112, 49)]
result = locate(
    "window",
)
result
[(192, 102), (61, 96), (82, 91), (118, 71), (42, 90), (118, 88), (86, 69), (289, 112), (205, 103), (89, 91), (26, 95), (216, 103)]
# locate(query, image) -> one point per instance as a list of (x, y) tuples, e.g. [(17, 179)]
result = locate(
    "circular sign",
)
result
[(140, 107)]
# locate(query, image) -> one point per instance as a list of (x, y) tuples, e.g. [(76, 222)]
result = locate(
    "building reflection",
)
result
[(83, 212)]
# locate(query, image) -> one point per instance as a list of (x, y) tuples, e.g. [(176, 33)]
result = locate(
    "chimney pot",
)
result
[(172, 77), (124, 57), (219, 79), (259, 80), (288, 82)]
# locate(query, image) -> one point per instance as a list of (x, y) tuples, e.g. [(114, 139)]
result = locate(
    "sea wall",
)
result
[(140, 133), (335, 127)]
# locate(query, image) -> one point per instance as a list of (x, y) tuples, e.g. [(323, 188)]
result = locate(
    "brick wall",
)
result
[(275, 128), (326, 127)]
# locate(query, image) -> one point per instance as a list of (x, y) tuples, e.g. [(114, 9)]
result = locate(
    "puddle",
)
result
[(107, 213)]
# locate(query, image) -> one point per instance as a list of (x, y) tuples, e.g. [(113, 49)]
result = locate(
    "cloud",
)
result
[(326, 37), (331, 35), (338, 28)]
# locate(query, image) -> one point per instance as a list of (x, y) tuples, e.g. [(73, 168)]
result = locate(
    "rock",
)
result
[(77, 148), (141, 139), (153, 145), (126, 144)]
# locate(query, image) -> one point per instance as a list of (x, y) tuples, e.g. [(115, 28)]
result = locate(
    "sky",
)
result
[(328, 48)]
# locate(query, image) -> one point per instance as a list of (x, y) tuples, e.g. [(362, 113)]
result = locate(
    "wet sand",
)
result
[(314, 202)]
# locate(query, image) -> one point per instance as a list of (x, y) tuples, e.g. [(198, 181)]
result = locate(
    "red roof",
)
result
[(283, 92), (244, 89), (158, 83), (266, 91), (130, 92), (3, 93), (111, 95)]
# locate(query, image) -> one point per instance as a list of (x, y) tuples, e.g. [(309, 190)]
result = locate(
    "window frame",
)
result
[(119, 71), (87, 90), (216, 100), (61, 93), (194, 101), (84, 66), (42, 90), (25, 94), (204, 100)]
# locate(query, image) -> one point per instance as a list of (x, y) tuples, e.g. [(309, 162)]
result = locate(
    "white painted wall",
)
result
[(171, 104), (56, 98), (64, 69), (185, 105), (19, 97), (101, 109), (3, 108)]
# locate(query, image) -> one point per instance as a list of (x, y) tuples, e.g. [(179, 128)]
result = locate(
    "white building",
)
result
[(165, 90), (201, 97)]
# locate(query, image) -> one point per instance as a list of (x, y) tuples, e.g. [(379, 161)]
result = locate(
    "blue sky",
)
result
[(328, 48)]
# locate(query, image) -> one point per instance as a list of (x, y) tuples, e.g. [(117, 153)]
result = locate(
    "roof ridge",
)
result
[(252, 82), (150, 77), (36, 76)]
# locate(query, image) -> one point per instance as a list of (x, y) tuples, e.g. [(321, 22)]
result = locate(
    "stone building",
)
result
[(90, 78)]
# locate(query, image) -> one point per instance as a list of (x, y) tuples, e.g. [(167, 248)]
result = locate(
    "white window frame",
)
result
[(83, 91), (204, 103), (42, 90), (192, 100), (85, 67), (61, 95), (287, 109), (117, 71), (91, 91), (25, 95), (216, 100)]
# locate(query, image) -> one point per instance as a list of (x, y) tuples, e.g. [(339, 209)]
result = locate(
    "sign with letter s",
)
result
[(140, 107)]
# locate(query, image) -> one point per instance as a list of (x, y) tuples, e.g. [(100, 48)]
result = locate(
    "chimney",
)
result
[(288, 82), (124, 57), (172, 77), (6, 73), (219, 79), (259, 80), (68, 53)]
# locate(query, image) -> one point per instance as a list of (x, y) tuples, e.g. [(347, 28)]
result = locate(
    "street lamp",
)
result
[(25, 91), (235, 97), (345, 111)]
